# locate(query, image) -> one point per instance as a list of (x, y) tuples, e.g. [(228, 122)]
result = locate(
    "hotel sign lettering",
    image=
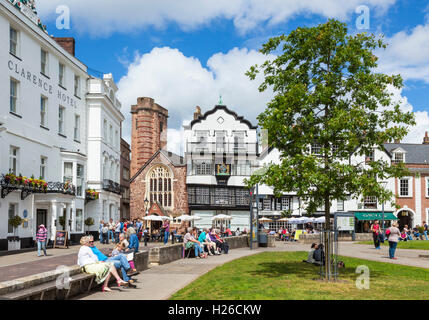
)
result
[(41, 83)]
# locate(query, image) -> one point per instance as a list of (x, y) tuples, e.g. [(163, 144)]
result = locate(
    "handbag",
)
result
[(189, 245)]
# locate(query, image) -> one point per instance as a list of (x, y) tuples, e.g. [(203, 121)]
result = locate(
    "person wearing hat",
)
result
[(41, 238)]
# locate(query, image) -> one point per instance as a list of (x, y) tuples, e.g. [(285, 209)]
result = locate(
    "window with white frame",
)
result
[(79, 220), (203, 168), (405, 187), (315, 149), (80, 172), (160, 186), (13, 45), (44, 58), (68, 172), (13, 95), (43, 166), (398, 157), (278, 204), (370, 202), (286, 203), (427, 187), (116, 143), (61, 116), (14, 160), (61, 74), (105, 129), (267, 204), (239, 140), (340, 205), (11, 213), (43, 111), (110, 134), (77, 127), (260, 204), (76, 86)]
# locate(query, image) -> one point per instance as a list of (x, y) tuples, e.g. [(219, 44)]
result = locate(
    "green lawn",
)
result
[(415, 244), (282, 276)]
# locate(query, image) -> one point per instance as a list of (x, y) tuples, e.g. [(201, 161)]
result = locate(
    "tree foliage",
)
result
[(327, 92)]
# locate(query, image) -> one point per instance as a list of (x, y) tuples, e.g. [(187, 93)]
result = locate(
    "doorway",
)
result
[(405, 218), (41, 218)]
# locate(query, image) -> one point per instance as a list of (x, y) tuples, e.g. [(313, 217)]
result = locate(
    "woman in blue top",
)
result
[(133, 239)]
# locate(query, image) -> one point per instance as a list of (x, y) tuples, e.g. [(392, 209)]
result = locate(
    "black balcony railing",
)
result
[(114, 187), (8, 185)]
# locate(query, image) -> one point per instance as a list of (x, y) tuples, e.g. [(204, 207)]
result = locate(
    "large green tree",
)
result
[(328, 94)]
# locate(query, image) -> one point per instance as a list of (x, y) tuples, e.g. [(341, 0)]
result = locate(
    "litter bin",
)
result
[(263, 240)]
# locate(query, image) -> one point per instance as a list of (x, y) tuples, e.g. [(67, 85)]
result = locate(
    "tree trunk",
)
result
[(327, 239)]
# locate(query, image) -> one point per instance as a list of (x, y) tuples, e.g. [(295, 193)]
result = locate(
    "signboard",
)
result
[(61, 239), (223, 169), (345, 223)]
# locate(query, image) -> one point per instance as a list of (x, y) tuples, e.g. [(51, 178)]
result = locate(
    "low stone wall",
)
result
[(166, 254), (310, 238), (237, 242)]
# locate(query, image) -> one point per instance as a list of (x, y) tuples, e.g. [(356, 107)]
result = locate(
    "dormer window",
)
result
[(398, 157), (315, 149)]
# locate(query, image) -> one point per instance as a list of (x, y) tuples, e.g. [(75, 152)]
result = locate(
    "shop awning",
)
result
[(375, 216)]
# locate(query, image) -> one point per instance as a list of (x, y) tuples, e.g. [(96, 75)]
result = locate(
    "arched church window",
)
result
[(159, 186)]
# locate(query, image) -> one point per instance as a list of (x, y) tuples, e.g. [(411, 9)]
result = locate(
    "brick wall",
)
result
[(138, 189), (149, 131), (68, 44)]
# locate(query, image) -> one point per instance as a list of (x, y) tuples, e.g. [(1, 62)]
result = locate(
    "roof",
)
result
[(415, 153), (224, 108), (174, 159)]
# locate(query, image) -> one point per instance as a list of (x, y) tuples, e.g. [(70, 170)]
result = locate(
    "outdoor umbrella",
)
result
[(195, 218), (320, 220), (184, 217), (265, 220), (166, 218), (221, 217), (283, 219), (153, 218)]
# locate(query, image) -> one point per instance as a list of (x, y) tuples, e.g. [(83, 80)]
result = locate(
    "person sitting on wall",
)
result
[(190, 242), (404, 236), (203, 241), (310, 258), (219, 243), (120, 261), (91, 265), (134, 241)]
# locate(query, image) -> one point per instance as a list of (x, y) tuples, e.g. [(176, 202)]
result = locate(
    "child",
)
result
[(105, 231)]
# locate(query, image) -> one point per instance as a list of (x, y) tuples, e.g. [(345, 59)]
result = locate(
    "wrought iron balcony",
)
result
[(9, 185), (109, 185)]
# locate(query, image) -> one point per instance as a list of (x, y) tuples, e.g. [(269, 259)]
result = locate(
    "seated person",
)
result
[(404, 236), (203, 241), (319, 255), (118, 249), (416, 232), (190, 242), (310, 258), (120, 261), (91, 265), (134, 240), (219, 243)]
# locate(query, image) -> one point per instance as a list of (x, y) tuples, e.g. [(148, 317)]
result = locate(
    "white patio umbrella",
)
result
[(195, 218), (222, 217), (153, 218), (283, 219), (320, 220), (184, 217), (166, 218), (265, 220)]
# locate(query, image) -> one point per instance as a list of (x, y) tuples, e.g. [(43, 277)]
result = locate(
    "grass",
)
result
[(283, 276), (414, 244)]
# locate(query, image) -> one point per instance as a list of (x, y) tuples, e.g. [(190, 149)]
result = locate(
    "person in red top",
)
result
[(375, 228)]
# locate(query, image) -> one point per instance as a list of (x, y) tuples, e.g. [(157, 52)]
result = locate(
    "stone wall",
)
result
[(310, 238), (166, 254)]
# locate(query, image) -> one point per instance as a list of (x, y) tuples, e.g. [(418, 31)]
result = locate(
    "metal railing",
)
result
[(226, 147), (111, 186)]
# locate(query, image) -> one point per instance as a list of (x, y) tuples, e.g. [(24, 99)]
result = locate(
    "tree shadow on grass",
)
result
[(302, 270)]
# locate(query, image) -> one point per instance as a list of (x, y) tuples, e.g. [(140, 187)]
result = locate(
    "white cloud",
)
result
[(407, 54), (105, 17), (180, 83)]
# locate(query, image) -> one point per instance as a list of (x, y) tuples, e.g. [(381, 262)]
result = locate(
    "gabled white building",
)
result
[(221, 151), (47, 131)]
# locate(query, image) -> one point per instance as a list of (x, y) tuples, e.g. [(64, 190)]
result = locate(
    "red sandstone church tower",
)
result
[(158, 177), (149, 131)]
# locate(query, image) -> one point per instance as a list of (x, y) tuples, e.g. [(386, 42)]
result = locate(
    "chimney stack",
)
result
[(68, 44), (197, 113), (426, 138)]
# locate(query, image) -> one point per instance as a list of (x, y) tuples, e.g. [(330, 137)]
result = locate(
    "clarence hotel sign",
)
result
[(36, 80)]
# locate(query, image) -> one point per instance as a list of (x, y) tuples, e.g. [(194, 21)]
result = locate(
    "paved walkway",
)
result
[(160, 282), (26, 264)]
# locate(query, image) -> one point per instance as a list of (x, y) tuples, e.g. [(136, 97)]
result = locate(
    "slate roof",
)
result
[(415, 153)]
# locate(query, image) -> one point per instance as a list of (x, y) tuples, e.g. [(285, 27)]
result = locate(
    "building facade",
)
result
[(125, 179), (221, 151), (158, 182), (51, 132), (43, 136), (104, 150)]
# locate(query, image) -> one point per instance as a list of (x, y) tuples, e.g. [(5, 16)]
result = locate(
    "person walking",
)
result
[(375, 228), (393, 237), (41, 238), (425, 231), (166, 227)]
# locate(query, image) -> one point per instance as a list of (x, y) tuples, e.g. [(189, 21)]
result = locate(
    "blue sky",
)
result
[(196, 44)]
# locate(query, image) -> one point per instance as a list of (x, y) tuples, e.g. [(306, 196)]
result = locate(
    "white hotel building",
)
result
[(52, 115)]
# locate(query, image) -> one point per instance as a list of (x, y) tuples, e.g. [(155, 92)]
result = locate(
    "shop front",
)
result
[(365, 219)]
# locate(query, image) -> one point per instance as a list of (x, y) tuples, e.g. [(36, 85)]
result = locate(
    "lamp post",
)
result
[(384, 183)]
